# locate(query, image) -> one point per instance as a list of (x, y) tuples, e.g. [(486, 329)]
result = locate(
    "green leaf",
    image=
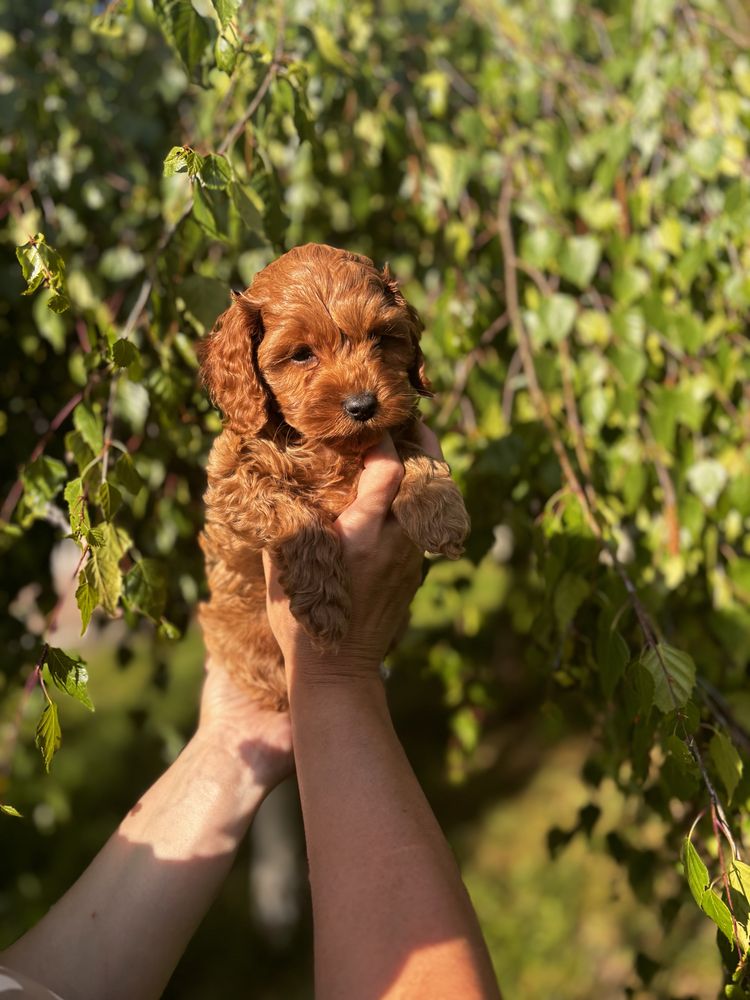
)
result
[(216, 172), (695, 871), (673, 673), (715, 908), (707, 479), (48, 323), (612, 657), (10, 811), (89, 426), (630, 284), (580, 259), (87, 598), (42, 480), (211, 210), (48, 733), (704, 155), (557, 314), (41, 264), (246, 208), (225, 54), (102, 570), (540, 247), (78, 511), (126, 474), (70, 675), (110, 500), (182, 158), (167, 630), (82, 454), (226, 9), (96, 536), (329, 47), (638, 690), (124, 353), (570, 593), (184, 29), (465, 725), (145, 588), (680, 773), (739, 877), (727, 761)]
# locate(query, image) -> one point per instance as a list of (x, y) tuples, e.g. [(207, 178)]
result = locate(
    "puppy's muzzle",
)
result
[(362, 406)]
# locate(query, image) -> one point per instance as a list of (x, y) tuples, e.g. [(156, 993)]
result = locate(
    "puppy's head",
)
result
[(323, 342)]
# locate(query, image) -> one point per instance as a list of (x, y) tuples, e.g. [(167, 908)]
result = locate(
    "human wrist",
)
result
[(316, 669), (336, 684), (224, 752)]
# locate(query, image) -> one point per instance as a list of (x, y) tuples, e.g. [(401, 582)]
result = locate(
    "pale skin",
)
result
[(129, 917), (392, 918)]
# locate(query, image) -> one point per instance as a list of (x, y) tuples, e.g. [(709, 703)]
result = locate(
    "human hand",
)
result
[(384, 568), (230, 719)]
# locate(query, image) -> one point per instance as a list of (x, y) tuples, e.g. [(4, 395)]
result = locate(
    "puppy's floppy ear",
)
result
[(417, 375), (229, 366)]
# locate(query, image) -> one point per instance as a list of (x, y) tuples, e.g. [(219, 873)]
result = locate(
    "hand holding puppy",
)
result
[(384, 568)]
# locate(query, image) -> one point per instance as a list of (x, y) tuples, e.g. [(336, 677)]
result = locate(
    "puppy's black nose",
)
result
[(362, 406)]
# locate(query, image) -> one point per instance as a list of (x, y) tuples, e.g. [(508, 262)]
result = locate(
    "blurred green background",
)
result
[(562, 190)]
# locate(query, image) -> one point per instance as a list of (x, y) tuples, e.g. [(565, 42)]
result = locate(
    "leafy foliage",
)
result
[(562, 191)]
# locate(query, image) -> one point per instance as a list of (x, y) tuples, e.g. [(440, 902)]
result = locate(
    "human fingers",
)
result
[(376, 490), (429, 442)]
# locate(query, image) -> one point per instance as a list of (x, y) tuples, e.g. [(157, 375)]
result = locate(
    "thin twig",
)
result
[(571, 411), (538, 398)]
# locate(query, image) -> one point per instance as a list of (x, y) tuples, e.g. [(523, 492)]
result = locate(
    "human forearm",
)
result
[(392, 917), (121, 928)]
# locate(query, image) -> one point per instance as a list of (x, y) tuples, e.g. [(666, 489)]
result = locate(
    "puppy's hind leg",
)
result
[(238, 638), (313, 575)]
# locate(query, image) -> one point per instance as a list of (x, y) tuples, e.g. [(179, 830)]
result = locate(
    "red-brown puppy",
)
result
[(309, 366)]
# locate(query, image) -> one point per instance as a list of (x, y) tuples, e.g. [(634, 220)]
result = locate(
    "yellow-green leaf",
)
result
[(48, 733)]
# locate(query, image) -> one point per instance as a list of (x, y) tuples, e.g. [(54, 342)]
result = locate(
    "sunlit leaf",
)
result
[(226, 9), (48, 733), (89, 425), (673, 673), (184, 29), (727, 761), (42, 265), (69, 674)]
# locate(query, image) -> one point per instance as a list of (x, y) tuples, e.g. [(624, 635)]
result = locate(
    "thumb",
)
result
[(271, 572), (376, 490)]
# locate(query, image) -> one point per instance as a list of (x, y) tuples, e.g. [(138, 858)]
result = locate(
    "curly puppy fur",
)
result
[(310, 365)]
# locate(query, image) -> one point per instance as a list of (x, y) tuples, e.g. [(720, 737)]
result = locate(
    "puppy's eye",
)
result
[(301, 355)]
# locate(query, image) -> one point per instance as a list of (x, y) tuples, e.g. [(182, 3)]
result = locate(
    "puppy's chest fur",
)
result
[(311, 473)]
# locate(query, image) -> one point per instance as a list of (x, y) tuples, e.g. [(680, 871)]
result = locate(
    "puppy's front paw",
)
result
[(313, 576), (431, 511)]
